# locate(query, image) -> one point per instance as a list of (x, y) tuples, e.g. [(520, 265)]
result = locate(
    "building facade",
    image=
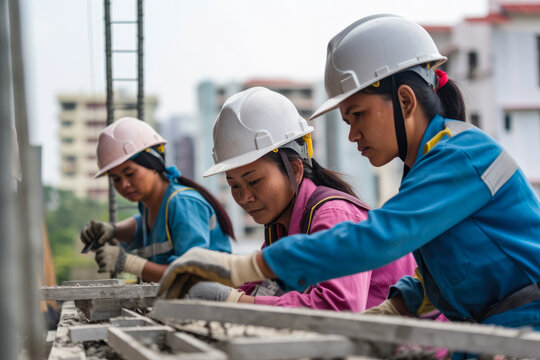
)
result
[(496, 61), (81, 118)]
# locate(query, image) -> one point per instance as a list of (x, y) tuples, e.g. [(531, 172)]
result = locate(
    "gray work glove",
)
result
[(384, 308), (101, 232), (114, 259), (199, 264), (213, 291)]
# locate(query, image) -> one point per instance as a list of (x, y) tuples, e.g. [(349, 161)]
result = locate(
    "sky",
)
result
[(186, 42)]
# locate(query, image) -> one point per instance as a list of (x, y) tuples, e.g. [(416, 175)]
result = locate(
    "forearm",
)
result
[(153, 272), (125, 229), (265, 269)]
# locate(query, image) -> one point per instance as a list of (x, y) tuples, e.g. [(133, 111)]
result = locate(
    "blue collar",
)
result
[(435, 125)]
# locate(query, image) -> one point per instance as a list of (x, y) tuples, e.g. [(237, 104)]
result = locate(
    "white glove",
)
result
[(199, 264), (114, 259), (213, 291)]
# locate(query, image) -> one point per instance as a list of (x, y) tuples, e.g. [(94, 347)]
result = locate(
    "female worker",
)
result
[(264, 147), (176, 213), (464, 207)]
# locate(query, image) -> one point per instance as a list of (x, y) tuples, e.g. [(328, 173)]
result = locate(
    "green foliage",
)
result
[(65, 215)]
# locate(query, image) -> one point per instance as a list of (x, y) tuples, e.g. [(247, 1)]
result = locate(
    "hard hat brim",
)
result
[(123, 159), (331, 104), (248, 158)]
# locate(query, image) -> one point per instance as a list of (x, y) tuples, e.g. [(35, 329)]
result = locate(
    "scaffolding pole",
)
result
[(9, 299), (110, 98)]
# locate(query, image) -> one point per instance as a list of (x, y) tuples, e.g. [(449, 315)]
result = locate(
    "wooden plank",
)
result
[(312, 346), (130, 343), (471, 338), (89, 292)]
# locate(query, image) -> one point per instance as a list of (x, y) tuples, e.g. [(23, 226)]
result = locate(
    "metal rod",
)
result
[(140, 60), (9, 307), (110, 98), (29, 197)]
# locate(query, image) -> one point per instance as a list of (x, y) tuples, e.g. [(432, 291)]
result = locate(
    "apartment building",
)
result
[(81, 118)]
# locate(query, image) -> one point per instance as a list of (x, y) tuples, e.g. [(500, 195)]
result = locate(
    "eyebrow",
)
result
[(244, 174)]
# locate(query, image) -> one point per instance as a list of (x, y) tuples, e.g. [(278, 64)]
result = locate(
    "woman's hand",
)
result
[(199, 264)]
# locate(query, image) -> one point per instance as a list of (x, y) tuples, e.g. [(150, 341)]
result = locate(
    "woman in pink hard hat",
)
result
[(176, 213)]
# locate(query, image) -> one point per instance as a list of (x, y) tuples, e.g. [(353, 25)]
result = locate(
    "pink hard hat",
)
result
[(123, 139)]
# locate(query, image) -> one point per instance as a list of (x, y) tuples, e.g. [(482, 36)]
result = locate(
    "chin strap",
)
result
[(270, 228), (399, 125)]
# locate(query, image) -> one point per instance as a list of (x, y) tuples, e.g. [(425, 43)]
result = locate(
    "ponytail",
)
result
[(447, 101), (223, 218), (314, 171), (324, 177)]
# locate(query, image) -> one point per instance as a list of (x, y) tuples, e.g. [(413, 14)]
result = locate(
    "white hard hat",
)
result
[(123, 139), (251, 124), (372, 49)]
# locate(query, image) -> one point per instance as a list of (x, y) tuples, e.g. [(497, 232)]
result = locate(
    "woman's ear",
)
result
[(298, 170), (407, 100)]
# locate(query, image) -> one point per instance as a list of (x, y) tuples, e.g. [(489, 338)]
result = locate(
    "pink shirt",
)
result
[(354, 292)]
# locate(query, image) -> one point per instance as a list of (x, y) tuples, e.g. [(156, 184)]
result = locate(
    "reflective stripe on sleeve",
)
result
[(498, 173), (154, 249)]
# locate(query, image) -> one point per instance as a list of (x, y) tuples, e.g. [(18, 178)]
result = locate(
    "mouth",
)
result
[(363, 149), (253, 212)]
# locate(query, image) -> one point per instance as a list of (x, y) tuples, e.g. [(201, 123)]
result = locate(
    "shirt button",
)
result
[(302, 282)]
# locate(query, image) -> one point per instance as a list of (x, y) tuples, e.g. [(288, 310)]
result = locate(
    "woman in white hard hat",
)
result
[(464, 207), (264, 147), (176, 213)]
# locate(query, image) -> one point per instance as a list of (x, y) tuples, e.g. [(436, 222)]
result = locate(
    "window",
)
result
[(91, 157), (475, 119), (91, 140), (67, 123), (68, 105), (473, 64), (538, 56), (70, 158), (507, 122), (67, 140), (95, 106), (96, 124)]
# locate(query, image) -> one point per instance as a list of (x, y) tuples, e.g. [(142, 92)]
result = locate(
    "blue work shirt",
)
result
[(466, 211), (192, 222)]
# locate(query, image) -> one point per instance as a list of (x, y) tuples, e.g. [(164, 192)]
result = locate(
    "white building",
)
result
[(496, 60), (82, 117)]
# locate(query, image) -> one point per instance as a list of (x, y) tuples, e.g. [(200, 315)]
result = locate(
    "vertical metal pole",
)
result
[(110, 98), (29, 197), (8, 300), (140, 60)]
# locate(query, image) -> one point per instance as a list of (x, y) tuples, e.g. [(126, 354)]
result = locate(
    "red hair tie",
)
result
[(443, 78)]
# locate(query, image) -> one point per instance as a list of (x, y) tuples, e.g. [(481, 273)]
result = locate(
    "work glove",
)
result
[(99, 233), (384, 308), (114, 259), (199, 264), (213, 291)]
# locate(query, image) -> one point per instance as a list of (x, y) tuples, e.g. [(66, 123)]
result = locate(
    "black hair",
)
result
[(446, 101), (155, 160), (314, 171)]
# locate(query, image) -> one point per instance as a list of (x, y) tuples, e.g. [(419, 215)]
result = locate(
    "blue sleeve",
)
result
[(137, 241), (442, 189), (411, 290), (189, 222)]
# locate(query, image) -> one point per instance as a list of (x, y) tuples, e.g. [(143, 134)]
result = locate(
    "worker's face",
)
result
[(261, 189), (133, 181), (371, 126)]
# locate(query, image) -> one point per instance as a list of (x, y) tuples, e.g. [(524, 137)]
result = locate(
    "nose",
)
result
[(125, 184), (354, 134), (246, 196)]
